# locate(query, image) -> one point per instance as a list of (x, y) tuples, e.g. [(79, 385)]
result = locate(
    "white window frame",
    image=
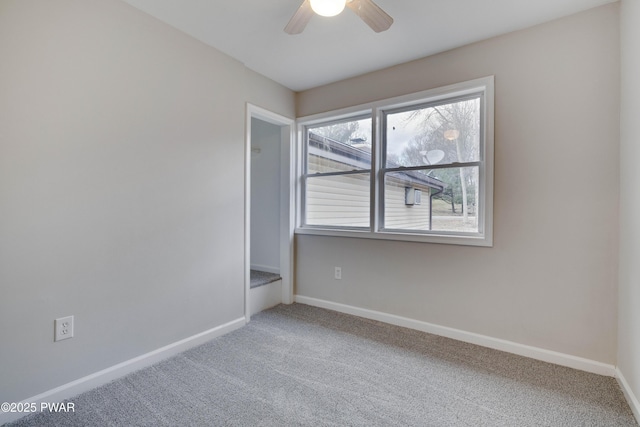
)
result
[(303, 169), (484, 237)]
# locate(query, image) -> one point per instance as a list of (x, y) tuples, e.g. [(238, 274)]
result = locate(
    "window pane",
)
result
[(441, 134), (406, 199), (338, 200), (432, 200), (343, 146)]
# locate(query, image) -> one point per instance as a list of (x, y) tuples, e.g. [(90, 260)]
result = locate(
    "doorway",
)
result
[(269, 210)]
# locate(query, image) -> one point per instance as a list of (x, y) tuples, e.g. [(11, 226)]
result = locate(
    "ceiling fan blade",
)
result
[(300, 19), (371, 14)]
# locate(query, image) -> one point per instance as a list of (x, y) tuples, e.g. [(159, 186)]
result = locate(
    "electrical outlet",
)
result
[(64, 328), (338, 273)]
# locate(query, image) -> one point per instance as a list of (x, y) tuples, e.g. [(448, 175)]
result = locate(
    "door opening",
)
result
[(269, 210)]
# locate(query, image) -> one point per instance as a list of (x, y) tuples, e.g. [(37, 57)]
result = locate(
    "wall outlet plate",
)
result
[(63, 328)]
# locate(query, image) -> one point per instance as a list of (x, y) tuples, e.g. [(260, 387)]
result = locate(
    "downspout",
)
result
[(431, 196)]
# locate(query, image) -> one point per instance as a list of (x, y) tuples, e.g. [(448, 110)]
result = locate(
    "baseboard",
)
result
[(265, 268), (470, 337), (264, 297), (74, 388), (634, 404)]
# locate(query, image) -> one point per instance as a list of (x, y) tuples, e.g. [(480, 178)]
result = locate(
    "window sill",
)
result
[(464, 240)]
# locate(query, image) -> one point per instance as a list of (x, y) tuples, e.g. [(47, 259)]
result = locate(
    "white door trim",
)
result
[(287, 201)]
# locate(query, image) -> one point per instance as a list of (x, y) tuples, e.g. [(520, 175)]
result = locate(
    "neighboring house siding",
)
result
[(398, 215), (338, 200), (344, 200)]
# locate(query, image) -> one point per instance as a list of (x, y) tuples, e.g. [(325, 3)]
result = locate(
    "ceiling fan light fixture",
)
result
[(372, 15), (328, 7)]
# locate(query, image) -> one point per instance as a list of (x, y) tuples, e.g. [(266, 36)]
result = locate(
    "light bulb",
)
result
[(328, 7)]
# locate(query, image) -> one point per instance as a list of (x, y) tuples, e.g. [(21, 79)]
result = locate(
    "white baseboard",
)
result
[(74, 388), (265, 296), (634, 404), (470, 337), (265, 268)]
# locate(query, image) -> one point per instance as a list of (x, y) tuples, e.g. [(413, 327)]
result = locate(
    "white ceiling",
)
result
[(332, 49)]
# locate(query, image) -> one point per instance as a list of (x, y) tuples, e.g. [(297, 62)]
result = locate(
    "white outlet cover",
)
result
[(63, 328)]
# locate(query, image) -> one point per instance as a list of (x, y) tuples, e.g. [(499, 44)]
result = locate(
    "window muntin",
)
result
[(429, 181)]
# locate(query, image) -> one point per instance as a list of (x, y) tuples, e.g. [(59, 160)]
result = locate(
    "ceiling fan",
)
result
[(367, 10)]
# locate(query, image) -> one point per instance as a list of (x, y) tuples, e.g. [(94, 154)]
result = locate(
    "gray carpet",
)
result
[(303, 366), (261, 278)]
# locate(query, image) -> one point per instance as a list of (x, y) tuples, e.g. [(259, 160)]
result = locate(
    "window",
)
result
[(416, 168), (338, 174)]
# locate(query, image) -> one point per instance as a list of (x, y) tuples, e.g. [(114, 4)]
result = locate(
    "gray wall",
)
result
[(121, 187), (550, 279), (265, 195), (629, 287), (121, 191)]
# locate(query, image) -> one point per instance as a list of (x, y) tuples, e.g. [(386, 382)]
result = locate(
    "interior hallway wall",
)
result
[(265, 196)]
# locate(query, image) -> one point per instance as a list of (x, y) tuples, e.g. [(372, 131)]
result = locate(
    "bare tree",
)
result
[(341, 132), (454, 129)]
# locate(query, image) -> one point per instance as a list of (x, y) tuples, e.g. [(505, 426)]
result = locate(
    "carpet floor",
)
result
[(261, 278), (298, 365)]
